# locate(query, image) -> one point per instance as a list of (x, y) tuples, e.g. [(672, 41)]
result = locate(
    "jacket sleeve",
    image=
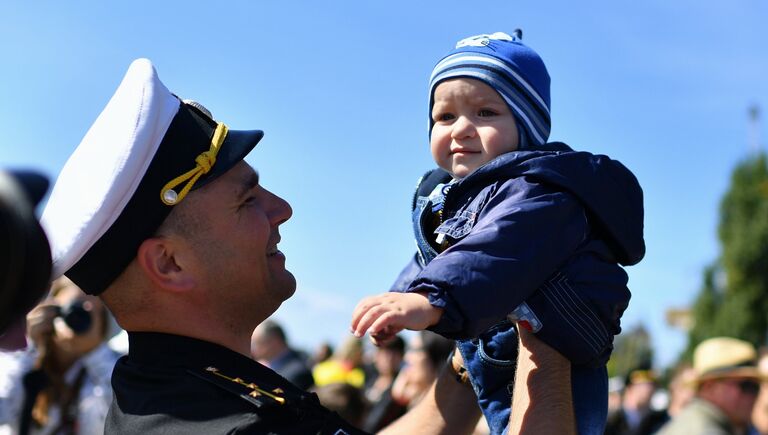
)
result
[(407, 275), (522, 235)]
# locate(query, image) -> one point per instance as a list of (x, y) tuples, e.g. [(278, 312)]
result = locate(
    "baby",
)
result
[(512, 229)]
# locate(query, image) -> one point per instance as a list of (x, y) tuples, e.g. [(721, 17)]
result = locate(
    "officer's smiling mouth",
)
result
[(272, 249)]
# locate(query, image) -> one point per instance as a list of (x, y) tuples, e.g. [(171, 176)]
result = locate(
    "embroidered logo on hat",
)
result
[(482, 40)]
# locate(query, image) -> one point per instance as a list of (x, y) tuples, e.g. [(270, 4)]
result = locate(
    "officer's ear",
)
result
[(160, 259)]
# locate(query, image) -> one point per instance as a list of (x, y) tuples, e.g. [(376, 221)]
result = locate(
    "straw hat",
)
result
[(725, 357)]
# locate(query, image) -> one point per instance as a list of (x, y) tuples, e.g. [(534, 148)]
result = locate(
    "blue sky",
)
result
[(341, 90)]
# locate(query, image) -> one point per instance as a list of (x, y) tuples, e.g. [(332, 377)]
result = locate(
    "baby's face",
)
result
[(472, 126)]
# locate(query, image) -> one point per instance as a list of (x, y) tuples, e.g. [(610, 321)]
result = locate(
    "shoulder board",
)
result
[(243, 387)]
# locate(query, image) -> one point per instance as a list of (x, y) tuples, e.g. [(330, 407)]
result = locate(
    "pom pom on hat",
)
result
[(514, 70)]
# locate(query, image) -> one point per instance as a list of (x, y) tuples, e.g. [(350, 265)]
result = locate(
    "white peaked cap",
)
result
[(108, 165), (107, 198)]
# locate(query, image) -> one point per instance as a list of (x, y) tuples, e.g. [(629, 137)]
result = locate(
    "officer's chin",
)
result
[(290, 284)]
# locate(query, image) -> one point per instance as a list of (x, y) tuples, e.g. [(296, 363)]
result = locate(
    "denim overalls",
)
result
[(491, 358)]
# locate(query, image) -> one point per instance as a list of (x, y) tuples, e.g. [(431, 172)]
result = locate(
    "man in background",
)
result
[(727, 382), (635, 416), (760, 411), (269, 346)]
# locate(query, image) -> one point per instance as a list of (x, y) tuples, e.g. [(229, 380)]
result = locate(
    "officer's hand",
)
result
[(386, 314)]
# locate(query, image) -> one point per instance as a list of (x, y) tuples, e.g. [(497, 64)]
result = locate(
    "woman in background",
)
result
[(61, 384), (426, 354)]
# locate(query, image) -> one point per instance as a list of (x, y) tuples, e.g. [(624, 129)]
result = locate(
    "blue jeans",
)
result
[(491, 361)]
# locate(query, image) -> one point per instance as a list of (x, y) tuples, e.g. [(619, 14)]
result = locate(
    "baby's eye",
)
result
[(486, 113), (444, 117)]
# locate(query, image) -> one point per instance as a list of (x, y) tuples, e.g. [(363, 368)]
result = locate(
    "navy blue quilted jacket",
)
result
[(550, 227)]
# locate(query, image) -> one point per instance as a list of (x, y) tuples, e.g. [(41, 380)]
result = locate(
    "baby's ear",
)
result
[(159, 259)]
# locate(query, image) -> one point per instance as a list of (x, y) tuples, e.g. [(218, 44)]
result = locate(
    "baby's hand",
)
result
[(386, 314)]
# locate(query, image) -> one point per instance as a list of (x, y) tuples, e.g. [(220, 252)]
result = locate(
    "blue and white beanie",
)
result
[(514, 70)]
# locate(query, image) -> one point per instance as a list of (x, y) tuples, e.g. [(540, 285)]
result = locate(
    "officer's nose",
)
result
[(279, 209)]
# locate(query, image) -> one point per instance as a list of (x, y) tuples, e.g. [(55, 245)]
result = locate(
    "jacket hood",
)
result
[(608, 190)]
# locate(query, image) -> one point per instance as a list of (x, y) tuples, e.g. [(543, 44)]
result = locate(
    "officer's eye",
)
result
[(247, 202)]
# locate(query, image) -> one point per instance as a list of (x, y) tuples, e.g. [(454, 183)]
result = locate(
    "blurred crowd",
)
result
[(368, 386), (723, 392), (60, 384)]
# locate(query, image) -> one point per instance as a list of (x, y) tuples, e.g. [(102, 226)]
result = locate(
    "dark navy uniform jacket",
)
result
[(169, 384)]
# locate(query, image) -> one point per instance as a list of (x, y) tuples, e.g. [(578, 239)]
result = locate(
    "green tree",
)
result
[(738, 306), (743, 233), (704, 311)]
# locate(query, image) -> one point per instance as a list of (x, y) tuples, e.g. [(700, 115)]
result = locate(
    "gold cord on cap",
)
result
[(205, 162)]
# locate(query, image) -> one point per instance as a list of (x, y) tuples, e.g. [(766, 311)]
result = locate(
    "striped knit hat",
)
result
[(515, 71)]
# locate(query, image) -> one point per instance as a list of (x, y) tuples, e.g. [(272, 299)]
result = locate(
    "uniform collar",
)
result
[(158, 348)]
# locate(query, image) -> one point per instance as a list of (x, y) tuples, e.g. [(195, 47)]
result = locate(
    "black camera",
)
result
[(76, 316)]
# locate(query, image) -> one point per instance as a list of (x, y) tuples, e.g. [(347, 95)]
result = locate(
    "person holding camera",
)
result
[(61, 385)]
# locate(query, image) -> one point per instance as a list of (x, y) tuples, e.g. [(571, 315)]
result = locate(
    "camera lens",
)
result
[(76, 317)]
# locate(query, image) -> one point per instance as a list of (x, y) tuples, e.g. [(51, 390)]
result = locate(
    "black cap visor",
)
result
[(236, 146)]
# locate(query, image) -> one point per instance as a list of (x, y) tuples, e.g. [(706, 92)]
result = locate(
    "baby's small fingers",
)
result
[(377, 340), (370, 316), (385, 325), (383, 339), (362, 307)]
